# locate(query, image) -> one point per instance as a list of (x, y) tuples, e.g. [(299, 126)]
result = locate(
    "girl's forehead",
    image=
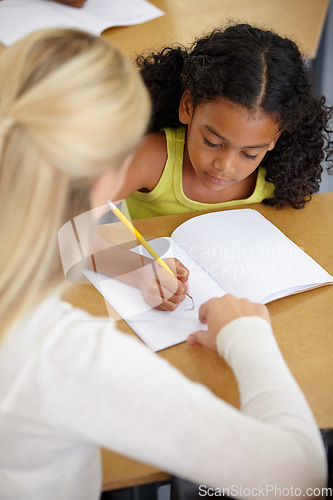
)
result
[(229, 120)]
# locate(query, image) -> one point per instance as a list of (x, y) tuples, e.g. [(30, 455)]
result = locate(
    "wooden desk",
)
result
[(301, 20), (303, 325)]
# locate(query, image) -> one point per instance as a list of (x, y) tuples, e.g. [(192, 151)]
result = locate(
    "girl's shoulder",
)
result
[(147, 165), (153, 150)]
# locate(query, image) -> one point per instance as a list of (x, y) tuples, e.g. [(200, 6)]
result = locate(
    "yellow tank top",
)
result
[(168, 197)]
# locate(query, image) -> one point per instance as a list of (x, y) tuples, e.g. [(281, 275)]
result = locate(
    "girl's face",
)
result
[(225, 141)]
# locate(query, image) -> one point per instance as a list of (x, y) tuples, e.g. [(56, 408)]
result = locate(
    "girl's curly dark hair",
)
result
[(257, 69)]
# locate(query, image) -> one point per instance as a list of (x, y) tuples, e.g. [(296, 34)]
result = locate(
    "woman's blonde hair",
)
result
[(71, 106)]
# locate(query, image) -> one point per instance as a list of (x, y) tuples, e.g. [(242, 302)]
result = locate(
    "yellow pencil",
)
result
[(142, 240)]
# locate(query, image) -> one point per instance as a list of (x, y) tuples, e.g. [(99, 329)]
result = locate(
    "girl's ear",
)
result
[(186, 108), (274, 141)]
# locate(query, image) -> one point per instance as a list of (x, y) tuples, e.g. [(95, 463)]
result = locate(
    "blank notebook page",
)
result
[(248, 255)]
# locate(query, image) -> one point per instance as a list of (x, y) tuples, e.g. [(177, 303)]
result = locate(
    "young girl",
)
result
[(235, 120), (71, 110)]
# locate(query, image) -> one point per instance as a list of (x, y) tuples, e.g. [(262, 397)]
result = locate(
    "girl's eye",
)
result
[(250, 157), (210, 144)]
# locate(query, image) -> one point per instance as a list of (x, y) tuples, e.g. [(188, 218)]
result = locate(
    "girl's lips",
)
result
[(216, 180)]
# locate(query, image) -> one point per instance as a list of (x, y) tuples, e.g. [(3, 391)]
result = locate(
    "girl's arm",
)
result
[(158, 288)]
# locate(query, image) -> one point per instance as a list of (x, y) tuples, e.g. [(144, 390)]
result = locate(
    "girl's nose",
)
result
[(226, 162)]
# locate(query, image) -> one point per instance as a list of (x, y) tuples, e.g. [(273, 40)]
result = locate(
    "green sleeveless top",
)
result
[(168, 197)]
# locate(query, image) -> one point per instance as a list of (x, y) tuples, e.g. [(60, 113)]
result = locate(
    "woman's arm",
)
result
[(149, 411)]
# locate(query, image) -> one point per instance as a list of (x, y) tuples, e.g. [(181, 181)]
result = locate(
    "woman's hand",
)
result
[(72, 3), (217, 313), (161, 290)]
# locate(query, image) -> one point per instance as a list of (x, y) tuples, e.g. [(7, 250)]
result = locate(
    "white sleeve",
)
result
[(268, 391), (114, 392)]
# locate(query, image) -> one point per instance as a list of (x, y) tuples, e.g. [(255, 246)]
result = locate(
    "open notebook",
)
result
[(235, 251)]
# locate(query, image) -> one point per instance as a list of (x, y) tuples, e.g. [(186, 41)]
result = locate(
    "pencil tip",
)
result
[(192, 305)]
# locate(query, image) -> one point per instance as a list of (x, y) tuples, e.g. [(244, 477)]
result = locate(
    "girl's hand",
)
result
[(217, 313), (161, 290), (72, 3)]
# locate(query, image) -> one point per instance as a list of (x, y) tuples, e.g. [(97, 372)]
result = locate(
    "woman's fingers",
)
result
[(218, 312)]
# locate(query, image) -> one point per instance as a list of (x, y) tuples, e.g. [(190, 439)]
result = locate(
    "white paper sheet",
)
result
[(248, 255), (20, 17)]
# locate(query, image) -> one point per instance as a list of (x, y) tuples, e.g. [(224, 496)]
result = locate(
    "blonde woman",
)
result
[(71, 110)]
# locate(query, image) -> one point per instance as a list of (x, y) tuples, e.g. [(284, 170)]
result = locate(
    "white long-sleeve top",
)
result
[(71, 383)]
